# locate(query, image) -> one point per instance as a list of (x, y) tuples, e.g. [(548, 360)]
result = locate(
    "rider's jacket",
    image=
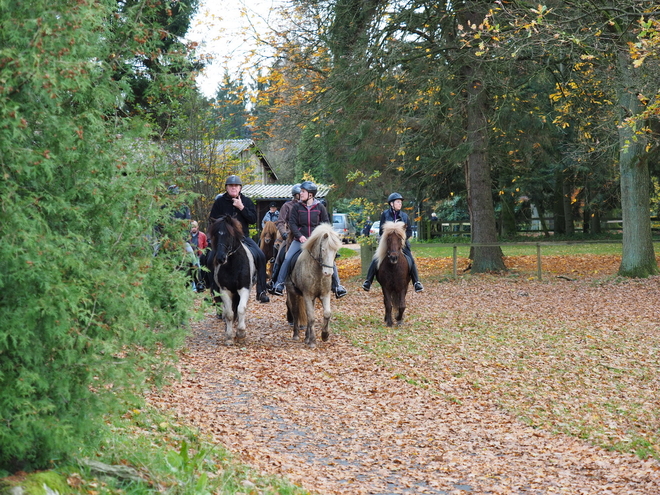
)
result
[(224, 205), (304, 219), (390, 215)]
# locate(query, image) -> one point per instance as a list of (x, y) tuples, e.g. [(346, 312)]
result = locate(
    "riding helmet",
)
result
[(173, 189), (233, 179), (394, 197), (309, 186), (295, 190)]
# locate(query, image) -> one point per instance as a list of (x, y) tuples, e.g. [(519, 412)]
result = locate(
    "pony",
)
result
[(393, 272), (311, 279), (234, 273), (268, 244)]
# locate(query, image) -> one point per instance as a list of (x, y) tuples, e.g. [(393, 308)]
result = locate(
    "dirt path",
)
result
[(335, 422)]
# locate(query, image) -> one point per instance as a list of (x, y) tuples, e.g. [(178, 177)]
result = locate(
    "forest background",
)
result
[(490, 105)]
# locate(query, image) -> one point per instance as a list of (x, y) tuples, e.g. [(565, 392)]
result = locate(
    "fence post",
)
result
[(454, 262), (538, 260)]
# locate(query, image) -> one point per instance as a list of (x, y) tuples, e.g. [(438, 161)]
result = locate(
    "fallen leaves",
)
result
[(487, 387)]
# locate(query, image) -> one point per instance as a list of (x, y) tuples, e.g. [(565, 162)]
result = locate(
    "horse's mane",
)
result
[(319, 232), (233, 226), (389, 228), (269, 228)]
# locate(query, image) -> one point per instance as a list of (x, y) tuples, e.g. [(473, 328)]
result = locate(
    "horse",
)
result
[(267, 243), (393, 272), (311, 279), (234, 273)]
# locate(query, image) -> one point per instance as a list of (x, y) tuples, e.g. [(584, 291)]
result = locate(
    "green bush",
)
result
[(87, 312)]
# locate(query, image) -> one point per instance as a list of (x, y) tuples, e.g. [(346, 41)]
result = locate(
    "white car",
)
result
[(375, 228)]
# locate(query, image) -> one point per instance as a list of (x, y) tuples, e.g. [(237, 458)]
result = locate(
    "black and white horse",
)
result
[(234, 273)]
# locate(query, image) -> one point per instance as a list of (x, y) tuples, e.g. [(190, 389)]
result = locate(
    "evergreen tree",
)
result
[(87, 311)]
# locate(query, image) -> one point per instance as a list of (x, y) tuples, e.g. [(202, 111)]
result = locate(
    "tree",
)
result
[(89, 314), (602, 33)]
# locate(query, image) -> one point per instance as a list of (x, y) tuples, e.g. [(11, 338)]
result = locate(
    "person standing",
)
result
[(394, 214), (304, 217), (235, 204), (271, 215)]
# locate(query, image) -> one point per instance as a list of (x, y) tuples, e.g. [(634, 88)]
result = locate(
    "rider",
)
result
[(304, 216), (235, 204), (394, 214), (283, 227)]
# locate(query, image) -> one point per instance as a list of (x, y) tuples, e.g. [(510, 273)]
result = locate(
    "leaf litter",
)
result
[(493, 384)]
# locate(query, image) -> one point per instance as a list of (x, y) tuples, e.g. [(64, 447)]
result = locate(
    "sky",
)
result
[(225, 31)]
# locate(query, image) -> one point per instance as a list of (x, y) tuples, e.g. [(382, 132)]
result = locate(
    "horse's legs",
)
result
[(228, 316), (387, 300), (293, 310), (310, 336), (401, 305), (244, 295), (327, 314)]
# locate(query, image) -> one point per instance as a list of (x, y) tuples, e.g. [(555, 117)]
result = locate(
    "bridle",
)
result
[(319, 259)]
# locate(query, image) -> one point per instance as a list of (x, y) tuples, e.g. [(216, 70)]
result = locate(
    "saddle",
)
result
[(292, 263)]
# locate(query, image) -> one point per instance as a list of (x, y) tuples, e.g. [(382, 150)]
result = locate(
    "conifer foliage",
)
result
[(87, 311)]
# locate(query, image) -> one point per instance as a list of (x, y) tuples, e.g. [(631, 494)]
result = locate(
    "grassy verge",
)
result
[(581, 378), (149, 452)]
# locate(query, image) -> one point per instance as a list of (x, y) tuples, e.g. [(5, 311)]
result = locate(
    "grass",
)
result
[(579, 378), (168, 457), (441, 250)]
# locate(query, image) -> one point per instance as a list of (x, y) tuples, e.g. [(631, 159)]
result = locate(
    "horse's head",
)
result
[(226, 236), (269, 233), (392, 242), (323, 245)]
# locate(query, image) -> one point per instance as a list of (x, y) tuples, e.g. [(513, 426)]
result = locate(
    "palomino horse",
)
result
[(311, 279), (234, 274), (267, 243), (393, 274)]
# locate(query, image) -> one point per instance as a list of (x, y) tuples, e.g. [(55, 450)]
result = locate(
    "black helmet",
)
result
[(233, 179), (394, 197), (295, 190), (173, 189), (309, 186)]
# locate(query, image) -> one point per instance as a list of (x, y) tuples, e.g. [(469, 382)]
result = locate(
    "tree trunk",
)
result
[(508, 216), (478, 179), (569, 225), (638, 257)]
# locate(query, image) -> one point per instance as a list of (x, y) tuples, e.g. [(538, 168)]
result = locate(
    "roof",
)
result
[(234, 147), (277, 191)]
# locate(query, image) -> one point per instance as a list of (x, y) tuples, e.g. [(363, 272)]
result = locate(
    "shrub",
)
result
[(87, 312)]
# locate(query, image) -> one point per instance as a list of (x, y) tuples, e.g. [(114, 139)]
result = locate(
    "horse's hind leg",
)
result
[(327, 314)]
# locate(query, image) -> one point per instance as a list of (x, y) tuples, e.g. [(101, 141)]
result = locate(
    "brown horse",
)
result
[(267, 243), (393, 274), (311, 279)]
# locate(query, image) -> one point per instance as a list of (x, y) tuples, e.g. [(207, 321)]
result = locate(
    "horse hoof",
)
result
[(325, 336), (229, 343)]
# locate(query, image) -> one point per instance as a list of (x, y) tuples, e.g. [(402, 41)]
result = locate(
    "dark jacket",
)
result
[(303, 219), (224, 205), (390, 215)]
